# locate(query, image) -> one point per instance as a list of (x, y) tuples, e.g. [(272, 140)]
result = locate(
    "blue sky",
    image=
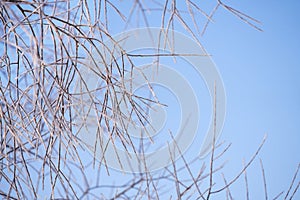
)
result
[(261, 72)]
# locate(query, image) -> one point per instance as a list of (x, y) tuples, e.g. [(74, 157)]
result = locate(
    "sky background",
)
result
[(261, 72)]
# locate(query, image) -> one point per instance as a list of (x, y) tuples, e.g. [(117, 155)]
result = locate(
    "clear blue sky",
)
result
[(261, 72)]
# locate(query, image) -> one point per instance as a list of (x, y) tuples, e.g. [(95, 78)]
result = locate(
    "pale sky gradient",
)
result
[(261, 72)]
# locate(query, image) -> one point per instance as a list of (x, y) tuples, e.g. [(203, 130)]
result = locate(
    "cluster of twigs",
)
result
[(43, 47)]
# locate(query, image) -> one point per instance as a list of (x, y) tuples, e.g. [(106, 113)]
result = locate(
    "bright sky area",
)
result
[(261, 72)]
